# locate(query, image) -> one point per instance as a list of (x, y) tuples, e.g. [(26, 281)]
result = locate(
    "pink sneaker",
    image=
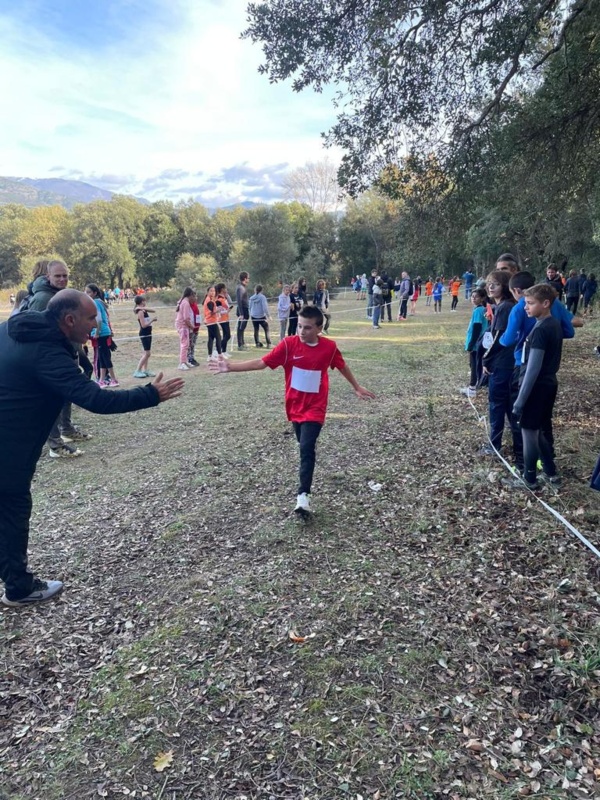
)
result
[(113, 383)]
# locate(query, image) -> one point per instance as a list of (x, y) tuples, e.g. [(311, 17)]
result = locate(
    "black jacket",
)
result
[(38, 373)]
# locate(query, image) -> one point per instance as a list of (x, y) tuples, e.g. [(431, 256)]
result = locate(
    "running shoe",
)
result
[(76, 436), (40, 592), (302, 504), (551, 480), (520, 483), (112, 384), (65, 451), (183, 367), (140, 374)]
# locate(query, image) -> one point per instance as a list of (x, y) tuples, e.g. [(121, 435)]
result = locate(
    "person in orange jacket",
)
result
[(454, 290)]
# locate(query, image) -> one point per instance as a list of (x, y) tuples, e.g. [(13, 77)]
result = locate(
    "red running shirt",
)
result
[(306, 375)]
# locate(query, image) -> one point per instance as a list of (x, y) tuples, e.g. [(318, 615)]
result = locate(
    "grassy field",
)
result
[(449, 637)]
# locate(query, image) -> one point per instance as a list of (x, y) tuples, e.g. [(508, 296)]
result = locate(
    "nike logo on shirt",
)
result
[(295, 357)]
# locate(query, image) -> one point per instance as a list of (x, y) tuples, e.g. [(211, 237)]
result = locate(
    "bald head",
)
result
[(75, 314)]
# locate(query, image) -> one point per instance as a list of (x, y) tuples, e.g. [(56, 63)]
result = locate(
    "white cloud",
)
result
[(183, 97)]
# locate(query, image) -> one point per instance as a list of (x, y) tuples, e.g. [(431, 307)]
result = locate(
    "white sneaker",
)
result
[(302, 504), (215, 357), (41, 591), (183, 367), (226, 355), (466, 390)]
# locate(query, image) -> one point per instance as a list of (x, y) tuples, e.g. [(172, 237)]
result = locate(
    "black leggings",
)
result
[(214, 335), (261, 323), (307, 434), (226, 335), (454, 302), (104, 358), (293, 326)]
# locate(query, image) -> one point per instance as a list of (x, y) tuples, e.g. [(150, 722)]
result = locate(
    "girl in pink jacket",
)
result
[(184, 324)]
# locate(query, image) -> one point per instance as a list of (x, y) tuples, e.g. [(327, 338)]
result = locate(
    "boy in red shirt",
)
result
[(306, 359)]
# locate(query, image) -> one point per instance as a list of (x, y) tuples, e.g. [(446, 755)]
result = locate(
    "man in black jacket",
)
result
[(41, 291), (553, 278), (38, 373)]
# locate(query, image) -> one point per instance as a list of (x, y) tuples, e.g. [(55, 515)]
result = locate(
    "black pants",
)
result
[(454, 302), (293, 326), (15, 512), (499, 403), (403, 307), (261, 323), (473, 364), (307, 434), (572, 303), (388, 306), (241, 327), (544, 424), (226, 335), (536, 446), (214, 335), (104, 356)]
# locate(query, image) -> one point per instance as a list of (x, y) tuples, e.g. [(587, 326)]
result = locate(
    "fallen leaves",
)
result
[(408, 638), (163, 761)]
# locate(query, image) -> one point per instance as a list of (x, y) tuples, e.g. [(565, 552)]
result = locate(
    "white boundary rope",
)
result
[(554, 512)]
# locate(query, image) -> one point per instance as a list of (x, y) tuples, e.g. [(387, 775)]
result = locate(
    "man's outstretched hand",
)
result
[(218, 366), (169, 389)]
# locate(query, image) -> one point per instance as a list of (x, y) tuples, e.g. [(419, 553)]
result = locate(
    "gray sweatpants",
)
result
[(62, 424)]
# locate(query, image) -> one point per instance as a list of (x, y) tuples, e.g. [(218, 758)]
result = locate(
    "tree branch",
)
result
[(578, 8), (514, 68)]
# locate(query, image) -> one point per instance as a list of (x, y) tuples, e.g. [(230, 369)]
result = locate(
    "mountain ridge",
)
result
[(33, 192)]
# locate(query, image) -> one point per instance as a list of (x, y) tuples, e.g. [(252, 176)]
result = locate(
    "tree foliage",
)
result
[(12, 219), (412, 74)]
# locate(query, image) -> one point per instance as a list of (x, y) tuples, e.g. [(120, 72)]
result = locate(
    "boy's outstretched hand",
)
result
[(167, 390), (364, 394)]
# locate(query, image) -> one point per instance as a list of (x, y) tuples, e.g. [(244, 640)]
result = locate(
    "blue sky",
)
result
[(158, 98)]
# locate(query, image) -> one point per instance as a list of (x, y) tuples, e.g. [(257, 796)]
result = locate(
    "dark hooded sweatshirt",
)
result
[(38, 374), (42, 292)]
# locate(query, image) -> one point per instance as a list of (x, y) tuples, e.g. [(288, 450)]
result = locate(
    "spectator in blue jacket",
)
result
[(468, 277), (588, 291)]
